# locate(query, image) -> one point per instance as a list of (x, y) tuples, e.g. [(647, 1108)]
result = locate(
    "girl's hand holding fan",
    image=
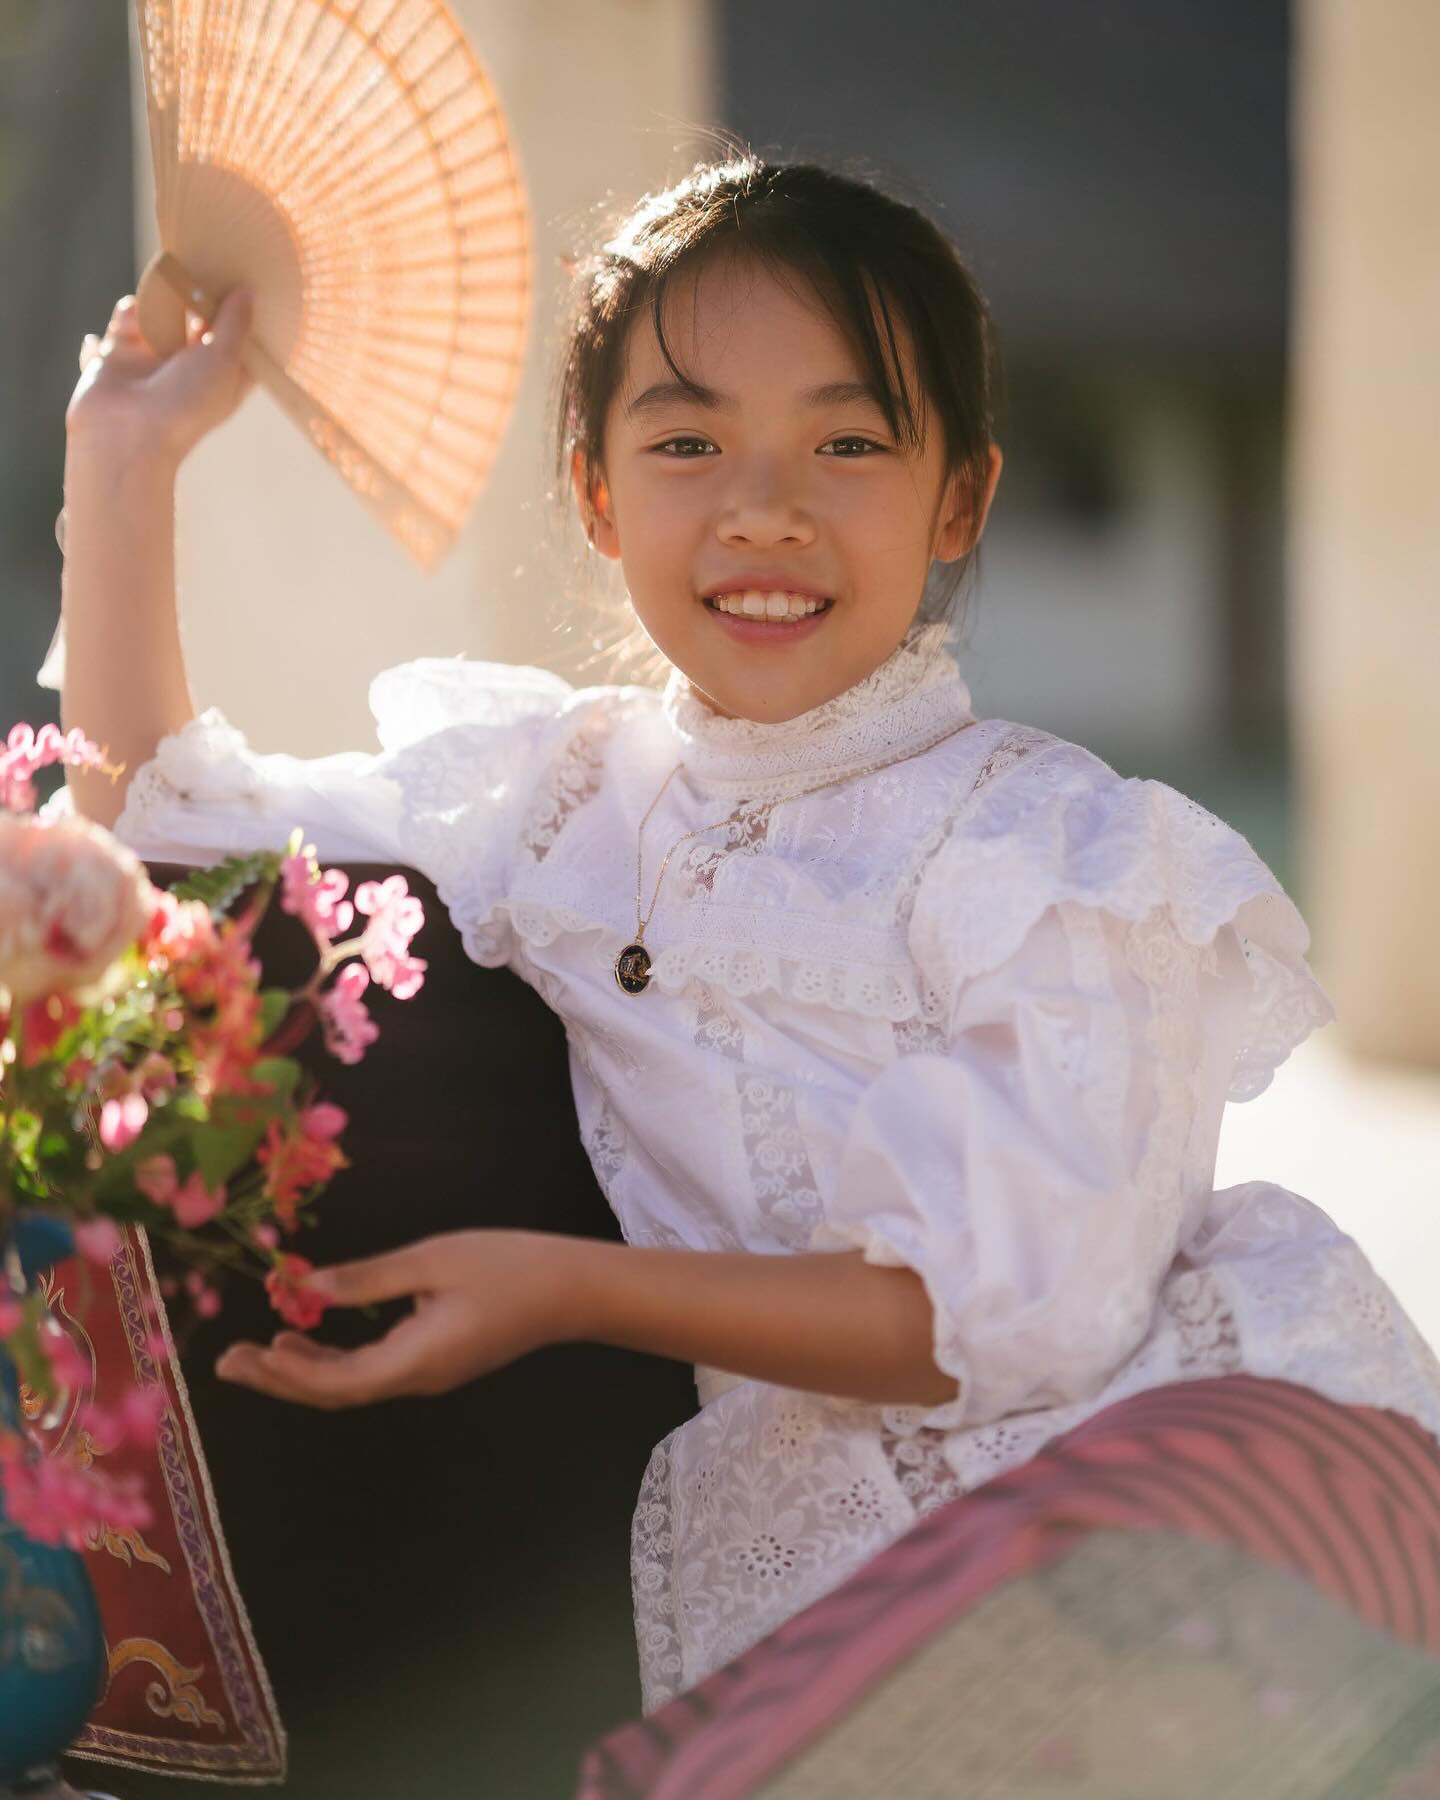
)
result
[(132, 400), (351, 166)]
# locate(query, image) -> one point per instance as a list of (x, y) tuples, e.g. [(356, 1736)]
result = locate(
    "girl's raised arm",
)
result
[(131, 421)]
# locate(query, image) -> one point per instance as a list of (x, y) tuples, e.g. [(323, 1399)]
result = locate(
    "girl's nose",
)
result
[(765, 507)]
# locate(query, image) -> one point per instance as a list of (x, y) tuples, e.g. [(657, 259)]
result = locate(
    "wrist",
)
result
[(106, 464), (584, 1289)]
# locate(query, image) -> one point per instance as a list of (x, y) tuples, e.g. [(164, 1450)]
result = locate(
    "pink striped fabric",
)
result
[(1347, 1497)]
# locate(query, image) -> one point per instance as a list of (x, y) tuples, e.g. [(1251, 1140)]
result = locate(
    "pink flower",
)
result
[(11, 1313), (106, 1430), (97, 1240), (155, 1178), (43, 1023), (27, 750), (68, 1362), (155, 1076), (175, 930), (395, 916), (55, 1501), (296, 1304), (122, 1121), (347, 1026), (195, 1205), (218, 980), (203, 1297), (192, 1203), (266, 1236), (72, 899), (142, 1409), (317, 899), (323, 1120), (296, 1160)]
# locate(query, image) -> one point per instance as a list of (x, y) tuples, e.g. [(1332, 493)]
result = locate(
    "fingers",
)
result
[(297, 1343), (319, 1375), (395, 1276), (227, 327)]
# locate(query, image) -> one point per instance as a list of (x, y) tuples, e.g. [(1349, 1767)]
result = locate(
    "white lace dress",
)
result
[(977, 1014)]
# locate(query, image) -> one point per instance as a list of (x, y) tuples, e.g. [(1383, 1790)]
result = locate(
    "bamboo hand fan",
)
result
[(348, 160)]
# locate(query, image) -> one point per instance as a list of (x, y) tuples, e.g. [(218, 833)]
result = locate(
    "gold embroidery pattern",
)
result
[(130, 1546), (179, 1698)]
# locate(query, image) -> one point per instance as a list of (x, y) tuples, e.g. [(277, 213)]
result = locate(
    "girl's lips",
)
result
[(747, 630)]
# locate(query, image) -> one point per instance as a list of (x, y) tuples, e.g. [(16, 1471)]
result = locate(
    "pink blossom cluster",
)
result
[(297, 1303), (60, 1499), (394, 916), (298, 1156), (27, 750), (80, 923), (55, 1501), (192, 1202)]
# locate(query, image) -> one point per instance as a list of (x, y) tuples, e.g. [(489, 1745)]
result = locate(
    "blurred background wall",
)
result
[(1167, 577)]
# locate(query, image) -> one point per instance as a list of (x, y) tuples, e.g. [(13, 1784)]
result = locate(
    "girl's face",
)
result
[(783, 481)]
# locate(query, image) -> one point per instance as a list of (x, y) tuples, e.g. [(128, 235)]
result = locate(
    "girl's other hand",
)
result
[(129, 399), (482, 1298)]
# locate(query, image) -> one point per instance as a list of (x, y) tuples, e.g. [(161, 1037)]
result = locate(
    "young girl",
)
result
[(900, 1037)]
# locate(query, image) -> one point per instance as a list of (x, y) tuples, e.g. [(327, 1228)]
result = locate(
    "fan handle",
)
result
[(167, 290)]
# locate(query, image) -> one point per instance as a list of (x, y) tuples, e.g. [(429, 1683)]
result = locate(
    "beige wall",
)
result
[(291, 596), (1365, 518)]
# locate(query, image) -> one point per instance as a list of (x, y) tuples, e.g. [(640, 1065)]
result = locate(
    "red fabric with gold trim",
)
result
[(187, 1691)]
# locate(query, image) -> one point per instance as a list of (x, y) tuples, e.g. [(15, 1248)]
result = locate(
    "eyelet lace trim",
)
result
[(208, 754), (901, 704), (1043, 823)]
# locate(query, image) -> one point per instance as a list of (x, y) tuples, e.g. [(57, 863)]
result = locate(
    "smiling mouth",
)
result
[(753, 607)]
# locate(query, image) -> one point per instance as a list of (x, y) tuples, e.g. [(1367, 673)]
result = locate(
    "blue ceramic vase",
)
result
[(52, 1648)]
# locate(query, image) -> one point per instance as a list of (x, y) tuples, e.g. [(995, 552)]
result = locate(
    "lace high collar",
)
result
[(909, 702)]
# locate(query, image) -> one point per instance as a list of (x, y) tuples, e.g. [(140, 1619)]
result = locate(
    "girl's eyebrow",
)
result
[(662, 394)]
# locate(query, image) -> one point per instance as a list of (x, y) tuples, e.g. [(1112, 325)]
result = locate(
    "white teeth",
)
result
[(753, 604)]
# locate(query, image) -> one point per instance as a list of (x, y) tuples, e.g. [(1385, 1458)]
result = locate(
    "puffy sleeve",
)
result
[(1105, 963), (461, 743)]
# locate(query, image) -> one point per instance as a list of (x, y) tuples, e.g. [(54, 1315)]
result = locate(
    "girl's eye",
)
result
[(686, 454), (862, 444)]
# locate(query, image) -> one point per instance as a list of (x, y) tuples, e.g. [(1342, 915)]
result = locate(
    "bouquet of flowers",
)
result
[(144, 1082)]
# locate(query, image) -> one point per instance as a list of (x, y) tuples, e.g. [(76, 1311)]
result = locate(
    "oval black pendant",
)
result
[(632, 969)]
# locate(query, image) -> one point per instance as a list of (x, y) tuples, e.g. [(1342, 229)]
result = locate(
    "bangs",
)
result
[(851, 295)]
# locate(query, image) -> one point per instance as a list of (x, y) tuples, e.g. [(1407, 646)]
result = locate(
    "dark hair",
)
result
[(870, 259)]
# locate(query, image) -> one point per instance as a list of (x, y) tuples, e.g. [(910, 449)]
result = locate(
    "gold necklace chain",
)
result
[(632, 966)]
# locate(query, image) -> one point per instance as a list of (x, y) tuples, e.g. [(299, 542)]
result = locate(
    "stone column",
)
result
[(1365, 513), (291, 596)]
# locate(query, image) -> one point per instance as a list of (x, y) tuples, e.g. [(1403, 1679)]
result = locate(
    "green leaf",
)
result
[(220, 1150), (219, 887), (274, 1004), (24, 1134), (282, 1072)]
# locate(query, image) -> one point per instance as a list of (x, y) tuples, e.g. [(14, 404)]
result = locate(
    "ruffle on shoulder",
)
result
[(206, 793), (416, 698), (448, 727), (1063, 826), (466, 745)]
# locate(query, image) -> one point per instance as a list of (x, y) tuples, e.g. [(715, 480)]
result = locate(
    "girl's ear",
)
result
[(592, 496), (958, 533)]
